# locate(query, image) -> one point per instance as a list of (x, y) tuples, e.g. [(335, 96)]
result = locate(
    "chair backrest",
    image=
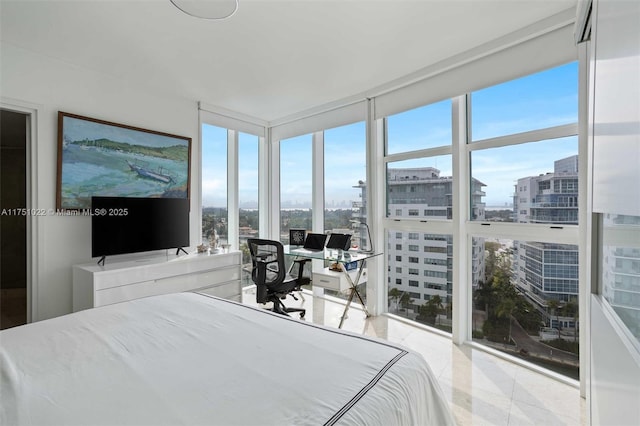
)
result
[(270, 253)]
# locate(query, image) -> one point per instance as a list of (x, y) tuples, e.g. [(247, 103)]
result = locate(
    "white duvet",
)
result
[(190, 359)]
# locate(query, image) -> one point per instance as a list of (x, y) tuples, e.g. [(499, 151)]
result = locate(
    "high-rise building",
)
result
[(420, 264), (546, 272), (551, 197)]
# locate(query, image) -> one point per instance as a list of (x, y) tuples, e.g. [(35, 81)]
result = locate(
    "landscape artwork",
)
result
[(99, 158)]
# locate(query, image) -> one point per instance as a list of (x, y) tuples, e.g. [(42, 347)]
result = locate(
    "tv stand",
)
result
[(101, 261), (215, 274), (180, 249)]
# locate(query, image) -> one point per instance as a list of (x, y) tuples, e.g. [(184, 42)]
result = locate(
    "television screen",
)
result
[(122, 225)]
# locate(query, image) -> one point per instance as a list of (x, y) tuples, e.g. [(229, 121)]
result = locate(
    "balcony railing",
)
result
[(555, 205)]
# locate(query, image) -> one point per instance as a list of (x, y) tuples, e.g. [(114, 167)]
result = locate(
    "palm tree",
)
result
[(394, 294), (571, 310), (428, 312), (437, 302), (405, 301), (552, 307)]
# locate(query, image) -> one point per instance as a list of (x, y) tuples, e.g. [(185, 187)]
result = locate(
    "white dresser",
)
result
[(215, 274)]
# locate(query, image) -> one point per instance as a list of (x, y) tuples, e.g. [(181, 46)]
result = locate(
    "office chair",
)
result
[(270, 276)]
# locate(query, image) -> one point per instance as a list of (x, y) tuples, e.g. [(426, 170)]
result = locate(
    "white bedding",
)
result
[(191, 359)]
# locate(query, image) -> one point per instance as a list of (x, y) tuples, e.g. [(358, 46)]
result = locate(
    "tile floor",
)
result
[(482, 389)]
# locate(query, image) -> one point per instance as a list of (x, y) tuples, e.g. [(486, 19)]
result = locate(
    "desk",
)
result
[(342, 258)]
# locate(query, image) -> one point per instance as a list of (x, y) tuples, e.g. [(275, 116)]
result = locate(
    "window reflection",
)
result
[(620, 285)]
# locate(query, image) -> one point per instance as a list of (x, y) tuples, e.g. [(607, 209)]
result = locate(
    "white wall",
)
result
[(51, 86)]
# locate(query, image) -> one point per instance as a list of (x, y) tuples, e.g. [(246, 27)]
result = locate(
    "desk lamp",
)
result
[(359, 222)]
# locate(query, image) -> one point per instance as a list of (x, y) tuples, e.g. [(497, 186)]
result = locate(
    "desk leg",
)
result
[(346, 308), (353, 292)]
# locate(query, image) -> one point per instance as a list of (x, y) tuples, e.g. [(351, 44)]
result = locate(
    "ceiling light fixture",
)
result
[(207, 9)]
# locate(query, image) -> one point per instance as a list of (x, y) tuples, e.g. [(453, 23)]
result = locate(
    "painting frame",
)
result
[(103, 158)]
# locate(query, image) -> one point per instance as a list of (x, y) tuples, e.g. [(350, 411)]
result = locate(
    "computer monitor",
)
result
[(339, 241)]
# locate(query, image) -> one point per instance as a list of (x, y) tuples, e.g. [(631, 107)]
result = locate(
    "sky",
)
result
[(544, 99)]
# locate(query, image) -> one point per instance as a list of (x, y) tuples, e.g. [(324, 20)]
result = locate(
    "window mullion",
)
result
[(556, 132), (461, 296), (317, 191), (233, 215)]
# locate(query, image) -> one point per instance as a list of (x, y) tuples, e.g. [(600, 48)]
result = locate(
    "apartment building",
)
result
[(420, 264), (547, 272)]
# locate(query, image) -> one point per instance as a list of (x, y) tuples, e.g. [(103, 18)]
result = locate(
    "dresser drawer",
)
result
[(202, 279), (175, 284)]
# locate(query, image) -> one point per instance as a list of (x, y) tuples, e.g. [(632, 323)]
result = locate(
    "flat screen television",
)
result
[(121, 225)]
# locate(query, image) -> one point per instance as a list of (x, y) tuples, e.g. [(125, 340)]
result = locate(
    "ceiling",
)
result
[(272, 58)]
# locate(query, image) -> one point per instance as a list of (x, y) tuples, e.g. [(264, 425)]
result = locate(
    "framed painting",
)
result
[(97, 157)]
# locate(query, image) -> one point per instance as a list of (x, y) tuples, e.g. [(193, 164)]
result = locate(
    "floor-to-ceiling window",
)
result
[(248, 192), (214, 186), (524, 149), (231, 184), (419, 183), (296, 185), (322, 176), (520, 210), (345, 170), (345, 173)]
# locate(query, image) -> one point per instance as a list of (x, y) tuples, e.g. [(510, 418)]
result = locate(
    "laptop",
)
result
[(339, 241), (315, 242)]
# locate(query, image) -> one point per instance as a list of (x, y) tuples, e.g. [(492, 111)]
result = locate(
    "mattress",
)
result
[(192, 359)]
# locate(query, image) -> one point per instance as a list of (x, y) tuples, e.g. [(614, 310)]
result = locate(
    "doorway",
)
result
[(13, 220)]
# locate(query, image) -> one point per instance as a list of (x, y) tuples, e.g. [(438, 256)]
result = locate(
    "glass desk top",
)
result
[(333, 255)]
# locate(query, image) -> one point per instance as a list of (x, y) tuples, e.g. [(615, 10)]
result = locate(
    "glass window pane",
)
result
[(214, 186), (425, 127), (420, 188), (537, 181), (621, 268), (247, 192), (345, 164), (527, 302), (546, 99), (420, 277), (296, 164)]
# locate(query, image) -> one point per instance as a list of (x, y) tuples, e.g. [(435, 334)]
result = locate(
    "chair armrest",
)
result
[(261, 277), (301, 262)]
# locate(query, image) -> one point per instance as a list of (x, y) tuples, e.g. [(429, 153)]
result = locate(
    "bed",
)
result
[(193, 359)]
